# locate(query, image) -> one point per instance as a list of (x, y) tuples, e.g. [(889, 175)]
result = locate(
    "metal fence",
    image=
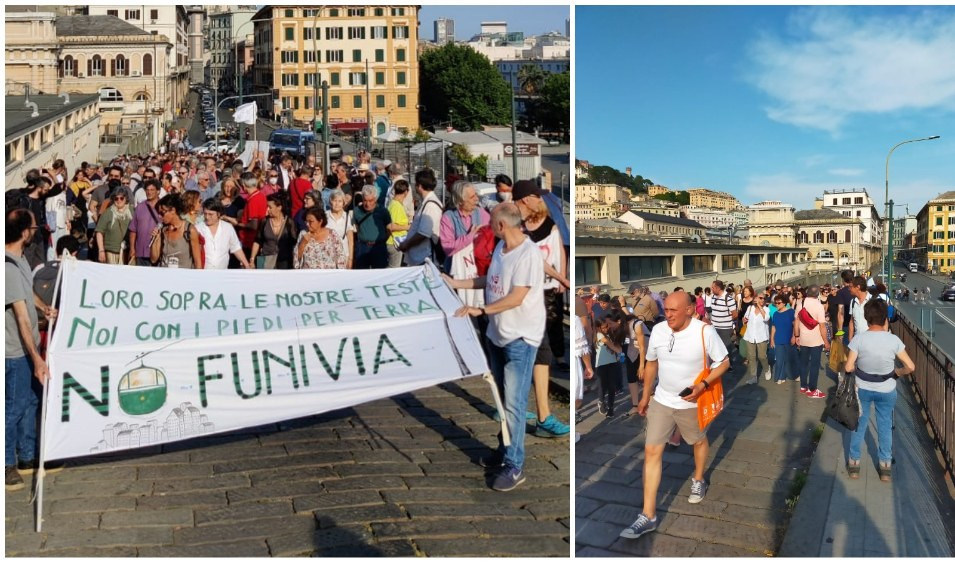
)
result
[(415, 156), (934, 382)]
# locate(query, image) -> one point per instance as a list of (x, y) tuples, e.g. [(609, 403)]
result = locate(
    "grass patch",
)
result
[(817, 433), (796, 488)]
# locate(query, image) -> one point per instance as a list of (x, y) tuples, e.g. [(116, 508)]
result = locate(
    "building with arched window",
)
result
[(833, 240), (53, 53)]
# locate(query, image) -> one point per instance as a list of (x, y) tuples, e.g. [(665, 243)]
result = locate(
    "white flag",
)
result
[(246, 113)]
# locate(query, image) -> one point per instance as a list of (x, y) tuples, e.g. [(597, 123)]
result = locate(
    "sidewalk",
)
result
[(758, 446), (912, 516), (394, 477)]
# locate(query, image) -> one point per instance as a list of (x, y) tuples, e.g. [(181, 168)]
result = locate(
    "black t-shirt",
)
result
[(844, 297)]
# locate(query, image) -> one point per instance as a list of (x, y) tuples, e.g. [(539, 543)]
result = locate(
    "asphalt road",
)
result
[(934, 312)]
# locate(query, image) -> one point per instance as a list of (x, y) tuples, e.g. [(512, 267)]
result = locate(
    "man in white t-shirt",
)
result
[(860, 296), (219, 238), (514, 293), (676, 351), (425, 228)]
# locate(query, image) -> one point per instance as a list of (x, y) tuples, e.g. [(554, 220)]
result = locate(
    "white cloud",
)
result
[(837, 62), (846, 172)]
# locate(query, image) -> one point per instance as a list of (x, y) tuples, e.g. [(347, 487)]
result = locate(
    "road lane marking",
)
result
[(945, 318)]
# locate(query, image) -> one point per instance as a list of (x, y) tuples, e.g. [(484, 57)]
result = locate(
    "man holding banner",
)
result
[(514, 293), (22, 359)]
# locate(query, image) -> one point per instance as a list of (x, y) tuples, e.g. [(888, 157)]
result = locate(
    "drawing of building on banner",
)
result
[(183, 422)]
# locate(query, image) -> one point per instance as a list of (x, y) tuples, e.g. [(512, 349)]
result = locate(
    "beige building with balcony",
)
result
[(101, 54), (772, 223), (714, 199), (367, 54), (833, 240), (655, 190), (662, 226)]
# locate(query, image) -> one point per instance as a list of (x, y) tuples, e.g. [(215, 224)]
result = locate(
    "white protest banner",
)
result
[(144, 356), (246, 113), (251, 146)]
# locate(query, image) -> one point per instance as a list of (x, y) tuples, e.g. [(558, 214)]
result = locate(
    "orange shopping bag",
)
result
[(710, 402)]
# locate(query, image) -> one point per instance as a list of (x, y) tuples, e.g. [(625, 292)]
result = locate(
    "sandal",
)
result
[(853, 468), (885, 472)]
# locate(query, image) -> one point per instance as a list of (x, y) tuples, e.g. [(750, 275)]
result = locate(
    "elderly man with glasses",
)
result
[(676, 352)]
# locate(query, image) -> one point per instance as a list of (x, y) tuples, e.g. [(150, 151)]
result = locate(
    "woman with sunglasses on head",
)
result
[(112, 227), (175, 243)]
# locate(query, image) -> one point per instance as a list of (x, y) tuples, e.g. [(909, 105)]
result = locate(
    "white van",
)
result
[(913, 267)]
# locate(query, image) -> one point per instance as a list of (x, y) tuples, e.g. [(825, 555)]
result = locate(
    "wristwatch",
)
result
[(706, 385)]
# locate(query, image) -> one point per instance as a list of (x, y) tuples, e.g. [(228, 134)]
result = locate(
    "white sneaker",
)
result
[(768, 375), (697, 491)]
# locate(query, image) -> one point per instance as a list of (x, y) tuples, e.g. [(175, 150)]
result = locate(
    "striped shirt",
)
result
[(721, 312)]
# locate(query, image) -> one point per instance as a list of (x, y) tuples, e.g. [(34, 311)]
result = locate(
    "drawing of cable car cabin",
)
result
[(142, 390)]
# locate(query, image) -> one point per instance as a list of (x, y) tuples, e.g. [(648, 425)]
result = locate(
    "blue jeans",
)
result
[(809, 362), (20, 413), (884, 404), (513, 369), (782, 367)]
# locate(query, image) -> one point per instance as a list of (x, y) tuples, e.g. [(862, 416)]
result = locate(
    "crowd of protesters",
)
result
[(653, 342), (176, 210)]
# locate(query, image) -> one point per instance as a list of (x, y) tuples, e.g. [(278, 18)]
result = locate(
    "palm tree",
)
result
[(531, 79)]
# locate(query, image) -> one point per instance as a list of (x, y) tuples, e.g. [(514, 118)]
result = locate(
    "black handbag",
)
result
[(845, 407)]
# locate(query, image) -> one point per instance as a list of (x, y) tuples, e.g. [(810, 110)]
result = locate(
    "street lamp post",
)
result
[(887, 262)]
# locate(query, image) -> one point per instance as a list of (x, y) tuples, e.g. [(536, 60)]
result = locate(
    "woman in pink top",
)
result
[(459, 226)]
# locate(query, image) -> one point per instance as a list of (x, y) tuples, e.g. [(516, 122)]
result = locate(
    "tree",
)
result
[(554, 103), (531, 79), (459, 79), (681, 197)]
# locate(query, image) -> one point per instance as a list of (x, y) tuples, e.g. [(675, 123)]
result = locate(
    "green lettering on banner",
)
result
[(398, 356), (101, 336), (290, 364), (203, 377), (301, 357), (358, 358), (338, 364), (255, 371), (101, 406)]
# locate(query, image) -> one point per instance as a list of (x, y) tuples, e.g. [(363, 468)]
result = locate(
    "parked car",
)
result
[(334, 150), (948, 293), (223, 133)]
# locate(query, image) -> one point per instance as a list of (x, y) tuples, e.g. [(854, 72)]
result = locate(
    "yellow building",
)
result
[(713, 199), (367, 54), (606, 193), (936, 234), (655, 190)]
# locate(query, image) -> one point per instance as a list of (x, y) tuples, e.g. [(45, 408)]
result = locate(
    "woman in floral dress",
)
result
[(319, 247)]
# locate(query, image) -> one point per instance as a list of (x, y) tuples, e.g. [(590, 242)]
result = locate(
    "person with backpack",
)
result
[(812, 337), (860, 296), (400, 192), (635, 347), (424, 236)]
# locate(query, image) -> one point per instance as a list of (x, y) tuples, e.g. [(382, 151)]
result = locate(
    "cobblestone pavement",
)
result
[(758, 446), (395, 477)]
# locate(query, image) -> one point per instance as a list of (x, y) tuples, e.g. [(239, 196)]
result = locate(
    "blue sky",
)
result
[(532, 20), (770, 102)]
